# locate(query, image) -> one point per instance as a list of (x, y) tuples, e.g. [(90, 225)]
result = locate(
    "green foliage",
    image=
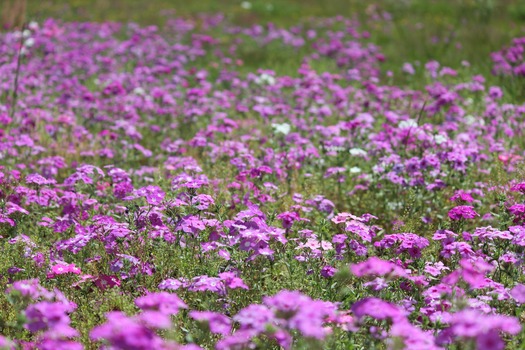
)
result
[(420, 30)]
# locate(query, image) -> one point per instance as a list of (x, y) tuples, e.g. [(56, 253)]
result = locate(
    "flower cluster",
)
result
[(339, 200)]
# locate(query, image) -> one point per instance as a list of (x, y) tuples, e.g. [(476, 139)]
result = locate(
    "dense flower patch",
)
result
[(156, 194)]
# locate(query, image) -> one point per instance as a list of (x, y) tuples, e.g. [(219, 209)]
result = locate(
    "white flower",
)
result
[(26, 33), (33, 25), (394, 205), (139, 91), (335, 149), (376, 169), (355, 170), (283, 128), (246, 5), (265, 78), (439, 139), (29, 42), (469, 120), (357, 152), (409, 123)]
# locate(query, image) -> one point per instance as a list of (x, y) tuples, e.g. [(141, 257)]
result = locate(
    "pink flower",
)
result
[(104, 281), (520, 187), (218, 323), (374, 267), (518, 293), (509, 158), (154, 195), (462, 212), (63, 268), (378, 309), (463, 196)]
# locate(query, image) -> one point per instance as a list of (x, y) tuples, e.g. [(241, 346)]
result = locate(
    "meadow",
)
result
[(263, 175)]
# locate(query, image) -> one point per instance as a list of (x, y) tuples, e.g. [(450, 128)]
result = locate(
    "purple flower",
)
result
[(30, 289), (328, 271), (57, 344), (405, 242), (518, 293), (463, 196), (288, 218), (255, 317), (205, 283), (6, 343), (202, 201), (123, 332), (495, 92), (518, 210), (39, 180), (377, 267), (311, 317), (471, 323), (286, 302), (435, 269), (360, 229), (412, 336), (377, 308), (154, 195), (462, 212), (218, 323), (50, 316), (519, 187), (489, 341), (326, 206), (166, 303), (231, 280), (172, 284), (408, 68)]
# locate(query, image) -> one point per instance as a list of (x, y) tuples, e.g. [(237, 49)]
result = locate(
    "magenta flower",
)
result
[(255, 317), (31, 289), (518, 293), (231, 280), (172, 284), (164, 302), (328, 271), (123, 332), (462, 212), (374, 267), (153, 194), (105, 281), (378, 309), (518, 210), (218, 323), (519, 187), (412, 336), (63, 268), (50, 317), (39, 180), (6, 343), (288, 218), (471, 323), (462, 196), (404, 242)]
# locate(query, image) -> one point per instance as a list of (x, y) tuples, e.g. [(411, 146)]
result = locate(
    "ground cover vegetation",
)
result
[(266, 175)]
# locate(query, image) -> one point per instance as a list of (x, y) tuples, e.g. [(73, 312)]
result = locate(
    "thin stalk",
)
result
[(17, 73)]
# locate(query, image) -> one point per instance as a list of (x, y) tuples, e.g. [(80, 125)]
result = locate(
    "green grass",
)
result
[(464, 30), (461, 30)]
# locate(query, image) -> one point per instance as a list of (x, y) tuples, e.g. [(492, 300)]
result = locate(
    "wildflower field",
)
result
[(263, 175)]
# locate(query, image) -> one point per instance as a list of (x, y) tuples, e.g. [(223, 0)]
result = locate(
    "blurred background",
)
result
[(412, 30)]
